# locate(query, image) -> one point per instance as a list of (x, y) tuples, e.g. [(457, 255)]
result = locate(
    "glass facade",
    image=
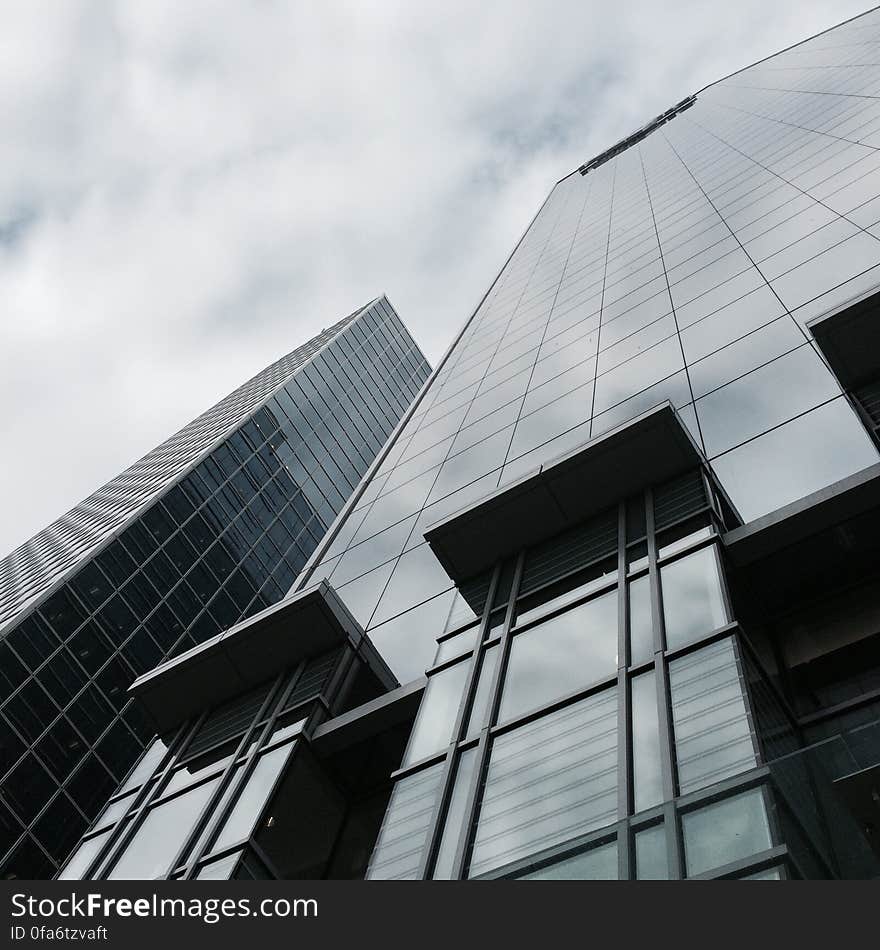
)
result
[(681, 681), (686, 268), (586, 736), (209, 528), (685, 265), (214, 800)]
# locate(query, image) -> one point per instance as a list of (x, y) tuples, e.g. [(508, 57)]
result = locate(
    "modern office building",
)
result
[(607, 605), (207, 529)]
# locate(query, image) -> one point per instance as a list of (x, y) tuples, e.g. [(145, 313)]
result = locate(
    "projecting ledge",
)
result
[(850, 339), (307, 624), (651, 448), (790, 527)]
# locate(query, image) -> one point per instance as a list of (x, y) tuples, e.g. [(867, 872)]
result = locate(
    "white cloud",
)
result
[(189, 190)]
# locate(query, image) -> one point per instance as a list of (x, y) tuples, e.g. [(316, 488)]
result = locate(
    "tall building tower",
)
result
[(207, 529), (607, 605)]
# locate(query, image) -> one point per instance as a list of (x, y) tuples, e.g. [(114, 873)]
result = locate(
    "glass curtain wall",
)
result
[(223, 541), (685, 267), (595, 718)]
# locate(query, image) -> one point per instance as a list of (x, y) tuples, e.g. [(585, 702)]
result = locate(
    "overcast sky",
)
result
[(188, 190)]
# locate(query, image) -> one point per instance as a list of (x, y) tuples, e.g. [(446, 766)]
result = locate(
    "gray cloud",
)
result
[(188, 191)]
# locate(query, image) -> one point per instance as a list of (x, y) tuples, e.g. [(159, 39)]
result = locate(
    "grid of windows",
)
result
[(577, 737), (29, 570), (222, 542), (685, 267), (191, 807)]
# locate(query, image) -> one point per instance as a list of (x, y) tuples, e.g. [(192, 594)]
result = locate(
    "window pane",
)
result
[(647, 781), (641, 631), (150, 852), (600, 864), (219, 870), (565, 654), (712, 733), (144, 769), (726, 831), (454, 815), (771, 874), (692, 604), (800, 457), (455, 646), (677, 539), (436, 719), (651, 861), (252, 797), (82, 857), (477, 717), (404, 832), (115, 810), (548, 782)]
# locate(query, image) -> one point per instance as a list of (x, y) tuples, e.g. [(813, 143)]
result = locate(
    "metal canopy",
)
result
[(850, 339), (652, 447), (305, 625)]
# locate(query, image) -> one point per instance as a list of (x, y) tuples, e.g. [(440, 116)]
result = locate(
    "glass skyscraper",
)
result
[(208, 528), (607, 605)]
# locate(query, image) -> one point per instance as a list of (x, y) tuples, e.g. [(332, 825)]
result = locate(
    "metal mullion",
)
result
[(674, 842), (714, 500), (557, 579), (210, 819), (459, 864), (671, 825), (741, 782), (684, 552), (653, 573), (450, 765), (742, 867), (261, 856), (433, 759), (549, 856), (626, 864), (624, 709), (713, 636), (143, 793), (116, 844), (661, 673), (577, 598), (345, 666), (453, 660), (569, 699)]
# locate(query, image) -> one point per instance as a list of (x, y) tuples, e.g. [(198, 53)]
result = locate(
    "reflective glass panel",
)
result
[(713, 738), (436, 719), (479, 707), (548, 782), (725, 831), (144, 769), (83, 857), (115, 810), (443, 866), (641, 630), (692, 601), (647, 780), (455, 646), (600, 864), (404, 831), (252, 797), (219, 870), (561, 655), (651, 861), (800, 457), (155, 844)]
